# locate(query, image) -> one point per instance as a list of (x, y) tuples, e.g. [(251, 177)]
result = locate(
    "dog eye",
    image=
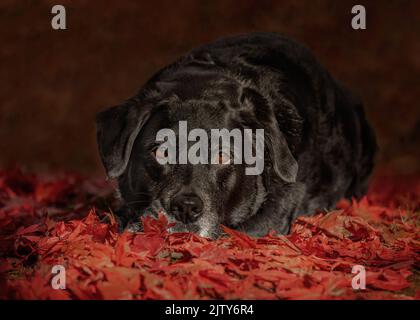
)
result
[(158, 153), (223, 157)]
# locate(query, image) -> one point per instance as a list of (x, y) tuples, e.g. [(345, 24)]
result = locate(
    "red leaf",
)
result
[(46, 222), (241, 239)]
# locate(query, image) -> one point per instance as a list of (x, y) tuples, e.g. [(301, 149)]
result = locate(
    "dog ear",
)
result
[(116, 131), (281, 159)]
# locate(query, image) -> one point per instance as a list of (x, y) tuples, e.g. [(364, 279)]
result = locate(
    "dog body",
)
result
[(319, 147)]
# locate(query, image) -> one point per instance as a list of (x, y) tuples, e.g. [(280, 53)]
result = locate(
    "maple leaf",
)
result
[(241, 239), (45, 222)]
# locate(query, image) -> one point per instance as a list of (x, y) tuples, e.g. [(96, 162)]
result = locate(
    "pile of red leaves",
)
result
[(53, 221)]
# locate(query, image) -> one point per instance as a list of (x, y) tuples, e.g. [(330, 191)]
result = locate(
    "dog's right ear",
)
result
[(116, 131)]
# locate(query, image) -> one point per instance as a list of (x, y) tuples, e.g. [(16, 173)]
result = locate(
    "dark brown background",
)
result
[(53, 82)]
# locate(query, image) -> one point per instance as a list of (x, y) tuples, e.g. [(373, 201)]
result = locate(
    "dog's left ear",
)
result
[(282, 161), (116, 131)]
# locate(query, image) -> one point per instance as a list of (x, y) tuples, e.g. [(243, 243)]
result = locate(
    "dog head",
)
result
[(197, 196)]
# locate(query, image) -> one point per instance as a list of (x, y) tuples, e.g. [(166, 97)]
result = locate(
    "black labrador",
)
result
[(318, 146)]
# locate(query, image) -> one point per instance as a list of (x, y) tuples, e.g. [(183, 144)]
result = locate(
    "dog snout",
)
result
[(187, 208)]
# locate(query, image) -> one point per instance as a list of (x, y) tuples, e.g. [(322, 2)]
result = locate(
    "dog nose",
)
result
[(187, 207)]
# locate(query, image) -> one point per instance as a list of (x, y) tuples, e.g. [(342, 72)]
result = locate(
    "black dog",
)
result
[(318, 146)]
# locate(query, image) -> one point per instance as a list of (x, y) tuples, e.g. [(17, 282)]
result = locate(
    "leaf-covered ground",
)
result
[(47, 221)]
